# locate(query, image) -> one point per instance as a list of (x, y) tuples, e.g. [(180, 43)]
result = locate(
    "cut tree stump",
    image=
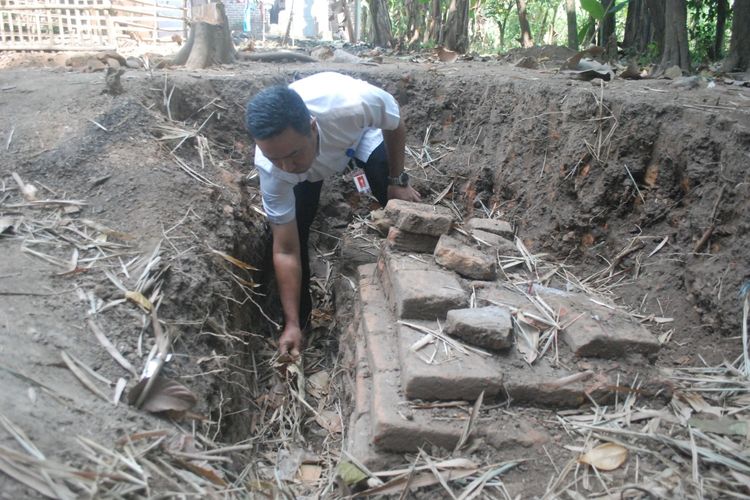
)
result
[(209, 42)]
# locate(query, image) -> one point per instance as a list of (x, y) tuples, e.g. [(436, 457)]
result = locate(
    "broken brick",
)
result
[(489, 327), (504, 245), (411, 242), (419, 290), (464, 259), (494, 226)]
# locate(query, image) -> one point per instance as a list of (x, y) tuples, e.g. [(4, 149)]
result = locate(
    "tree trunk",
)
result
[(607, 25), (348, 21), (675, 36), (551, 32), (381, 23), (639, 28), (656, 9), (738, 58), (456, 29), (415, 14), (209, 41), (570, 10), (432, 33), (722, 6), (526, 38)]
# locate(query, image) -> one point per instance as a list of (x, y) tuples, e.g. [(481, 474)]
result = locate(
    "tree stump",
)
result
[(209, 41)]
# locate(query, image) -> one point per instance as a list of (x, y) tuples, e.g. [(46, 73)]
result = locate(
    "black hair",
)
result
[(274, 109)]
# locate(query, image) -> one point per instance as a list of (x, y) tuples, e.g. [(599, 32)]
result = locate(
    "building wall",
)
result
[(310, 17), (237, 10)]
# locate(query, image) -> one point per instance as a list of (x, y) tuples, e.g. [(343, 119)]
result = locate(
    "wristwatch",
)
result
[(402, 180)]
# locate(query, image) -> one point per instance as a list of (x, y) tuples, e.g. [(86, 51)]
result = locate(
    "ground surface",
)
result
[(596, 177)]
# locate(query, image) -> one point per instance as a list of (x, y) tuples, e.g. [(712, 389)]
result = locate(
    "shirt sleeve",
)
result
[(278, 198), (380, 108)]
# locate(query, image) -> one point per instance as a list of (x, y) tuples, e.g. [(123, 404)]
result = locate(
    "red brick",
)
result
[(411, 242), (419, 217), (463, 378), (502, 245), (600, 331), (466, 260), (419, 290), (395, 425), (494, 226), (489, 327)]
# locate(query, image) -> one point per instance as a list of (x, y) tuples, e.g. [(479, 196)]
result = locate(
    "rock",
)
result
[(687, 82), (112, 63), (597, 82), (494, 226), (465, 260), (78, 61), (528, 62), (672, 73), (419, 217), (411, 242), (93, 65), (488, 327), (134, 62), (504, 245), (419, 290), (322, 53)]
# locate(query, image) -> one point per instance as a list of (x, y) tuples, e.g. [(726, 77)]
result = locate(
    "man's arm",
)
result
[(395, 144), (288, 267)]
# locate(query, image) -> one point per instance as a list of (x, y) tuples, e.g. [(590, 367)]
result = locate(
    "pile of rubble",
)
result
[(436, 324)]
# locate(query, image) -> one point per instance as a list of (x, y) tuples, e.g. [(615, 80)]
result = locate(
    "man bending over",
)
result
[(305, 132)]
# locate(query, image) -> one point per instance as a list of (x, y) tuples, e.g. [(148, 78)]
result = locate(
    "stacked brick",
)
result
[(418, 339)]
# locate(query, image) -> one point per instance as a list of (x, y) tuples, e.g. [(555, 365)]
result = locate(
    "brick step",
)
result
[(396, 424)]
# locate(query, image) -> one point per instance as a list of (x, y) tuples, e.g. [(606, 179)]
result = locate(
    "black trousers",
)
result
[(307, 197)]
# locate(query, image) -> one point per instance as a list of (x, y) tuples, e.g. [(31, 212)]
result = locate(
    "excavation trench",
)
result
[(627, 178)]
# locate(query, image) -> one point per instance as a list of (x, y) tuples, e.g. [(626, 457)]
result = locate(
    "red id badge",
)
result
[(360, 181)]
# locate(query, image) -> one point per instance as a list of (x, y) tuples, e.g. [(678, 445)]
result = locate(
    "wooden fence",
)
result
[(86, 24)]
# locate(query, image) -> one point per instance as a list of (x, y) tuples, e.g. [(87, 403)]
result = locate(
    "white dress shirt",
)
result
[(350, 114)]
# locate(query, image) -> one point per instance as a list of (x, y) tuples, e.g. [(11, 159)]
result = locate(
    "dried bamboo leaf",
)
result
[(28, 477), (119, 389), (419, 480), (165, 395), (330, 421), (233, 260), (527, 340), (470, 422), (139, 299), (110, 348), (85, 380), (204, 471), (606, 457)]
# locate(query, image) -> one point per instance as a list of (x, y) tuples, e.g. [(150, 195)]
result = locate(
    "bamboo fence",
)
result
[(86, 24)]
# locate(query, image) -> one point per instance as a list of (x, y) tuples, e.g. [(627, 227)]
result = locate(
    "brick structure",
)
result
[(403, 367)]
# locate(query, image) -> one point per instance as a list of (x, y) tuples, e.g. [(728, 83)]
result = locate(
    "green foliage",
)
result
[(594, 8)]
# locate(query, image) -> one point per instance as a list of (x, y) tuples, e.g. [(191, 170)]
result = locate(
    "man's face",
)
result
[(291, 151)]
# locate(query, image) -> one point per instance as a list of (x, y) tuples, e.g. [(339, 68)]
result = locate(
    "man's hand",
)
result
[(290, 342), (406, 193)]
